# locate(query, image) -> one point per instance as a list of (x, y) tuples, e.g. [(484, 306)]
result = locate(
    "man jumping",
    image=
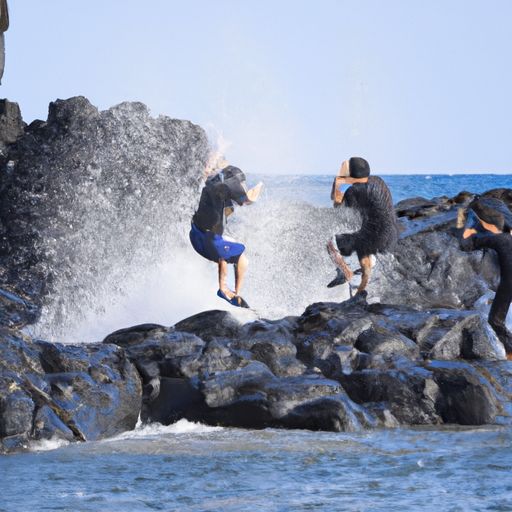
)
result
[(206, 235)]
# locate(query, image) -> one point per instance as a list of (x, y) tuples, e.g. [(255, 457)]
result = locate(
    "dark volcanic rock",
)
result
[(210, 324), (471, 338), (253, 397), (379, 340), (15, 311), (11, 124), (73, 392), (427, 267), (418, 354), (466, 397), (409, 394), (84, 194)]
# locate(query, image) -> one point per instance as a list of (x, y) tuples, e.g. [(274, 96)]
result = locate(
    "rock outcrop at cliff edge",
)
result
[(69, 392), (419, 352), (87, 194), (338, 367)]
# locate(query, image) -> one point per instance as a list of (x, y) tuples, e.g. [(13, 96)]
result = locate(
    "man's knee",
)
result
[(345, 244)]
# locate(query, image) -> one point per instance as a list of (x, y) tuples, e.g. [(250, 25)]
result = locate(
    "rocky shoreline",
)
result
[(338, 367), (420, 353)]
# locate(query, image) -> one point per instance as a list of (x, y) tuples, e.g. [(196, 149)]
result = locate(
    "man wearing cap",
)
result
[(370, 196), (484, 230), (218, 197)]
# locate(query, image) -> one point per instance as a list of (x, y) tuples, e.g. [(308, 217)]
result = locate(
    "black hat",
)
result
[(488, 212), (359, 167), (231, 171)]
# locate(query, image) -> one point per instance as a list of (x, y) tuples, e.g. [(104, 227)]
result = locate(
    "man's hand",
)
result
[(337, 194), (254, 193), (469, 232)]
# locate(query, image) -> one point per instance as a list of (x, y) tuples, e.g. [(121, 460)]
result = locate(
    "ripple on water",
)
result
[(241, 470)]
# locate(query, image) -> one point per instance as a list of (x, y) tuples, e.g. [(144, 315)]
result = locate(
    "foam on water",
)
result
[(156, 430), (46, 445)]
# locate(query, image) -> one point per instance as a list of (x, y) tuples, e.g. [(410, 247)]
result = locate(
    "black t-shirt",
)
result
[(501, 243), (215, 196), (379, 228)]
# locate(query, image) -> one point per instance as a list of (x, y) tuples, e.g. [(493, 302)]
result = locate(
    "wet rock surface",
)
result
[(358, 364), (85, 184), (75, 392), (415, 351), (337, 367)]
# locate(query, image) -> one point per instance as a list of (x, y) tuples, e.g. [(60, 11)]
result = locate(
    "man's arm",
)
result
[(336, 193), (472, 241)]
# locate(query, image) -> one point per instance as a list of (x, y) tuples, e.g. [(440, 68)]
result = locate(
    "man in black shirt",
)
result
[(370, 196), (206, 235), (484, 230)]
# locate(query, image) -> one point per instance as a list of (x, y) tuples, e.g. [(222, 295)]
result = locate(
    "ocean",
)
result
[(189, 467)]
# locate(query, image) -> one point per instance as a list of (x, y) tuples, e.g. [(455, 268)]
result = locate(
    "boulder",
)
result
[(11, 124), (465, 396), (382, 341), (82, 195), (15, 311), (73, 392)]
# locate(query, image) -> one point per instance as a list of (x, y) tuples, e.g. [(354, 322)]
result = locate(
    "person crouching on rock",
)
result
[(484, 230), (370, 196), (206, 235)]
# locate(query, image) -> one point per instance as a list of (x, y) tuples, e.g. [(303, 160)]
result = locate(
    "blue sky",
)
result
[(287, 86)]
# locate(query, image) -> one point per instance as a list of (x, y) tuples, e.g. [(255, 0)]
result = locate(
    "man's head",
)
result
[(482, 217), (235, 179), (231, 172), (356, 168)]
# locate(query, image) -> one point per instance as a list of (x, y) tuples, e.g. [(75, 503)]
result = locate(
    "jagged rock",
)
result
[(95, 377), (409, 394), (135, 334), (15, 311), (73, 392), (471, 338), (210, 324), (382, 341), (109, 176), (254, 397), (465, 397), (11, 124), (272, 343)]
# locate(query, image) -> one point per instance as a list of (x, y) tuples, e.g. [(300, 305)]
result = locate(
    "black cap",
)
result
[(488, 212), (231, 171), (359, 167)]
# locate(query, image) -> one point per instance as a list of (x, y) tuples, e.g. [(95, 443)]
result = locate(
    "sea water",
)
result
[(189, 467)]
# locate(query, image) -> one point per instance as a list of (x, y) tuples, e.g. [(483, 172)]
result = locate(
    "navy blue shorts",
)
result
[(214, 247)]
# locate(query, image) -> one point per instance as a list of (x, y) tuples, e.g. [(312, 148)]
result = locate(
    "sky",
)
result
[(286, 86)]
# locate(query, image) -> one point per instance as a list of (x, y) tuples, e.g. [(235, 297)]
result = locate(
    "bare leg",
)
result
[(366, 266), (338, 260), (240, 270), (223, 274)]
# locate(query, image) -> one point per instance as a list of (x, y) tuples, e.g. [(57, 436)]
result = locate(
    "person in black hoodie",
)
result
[(487, 228), (370, 196), (218, 197)]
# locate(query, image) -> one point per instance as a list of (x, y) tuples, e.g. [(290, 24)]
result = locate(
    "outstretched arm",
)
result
[(254, 193)]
